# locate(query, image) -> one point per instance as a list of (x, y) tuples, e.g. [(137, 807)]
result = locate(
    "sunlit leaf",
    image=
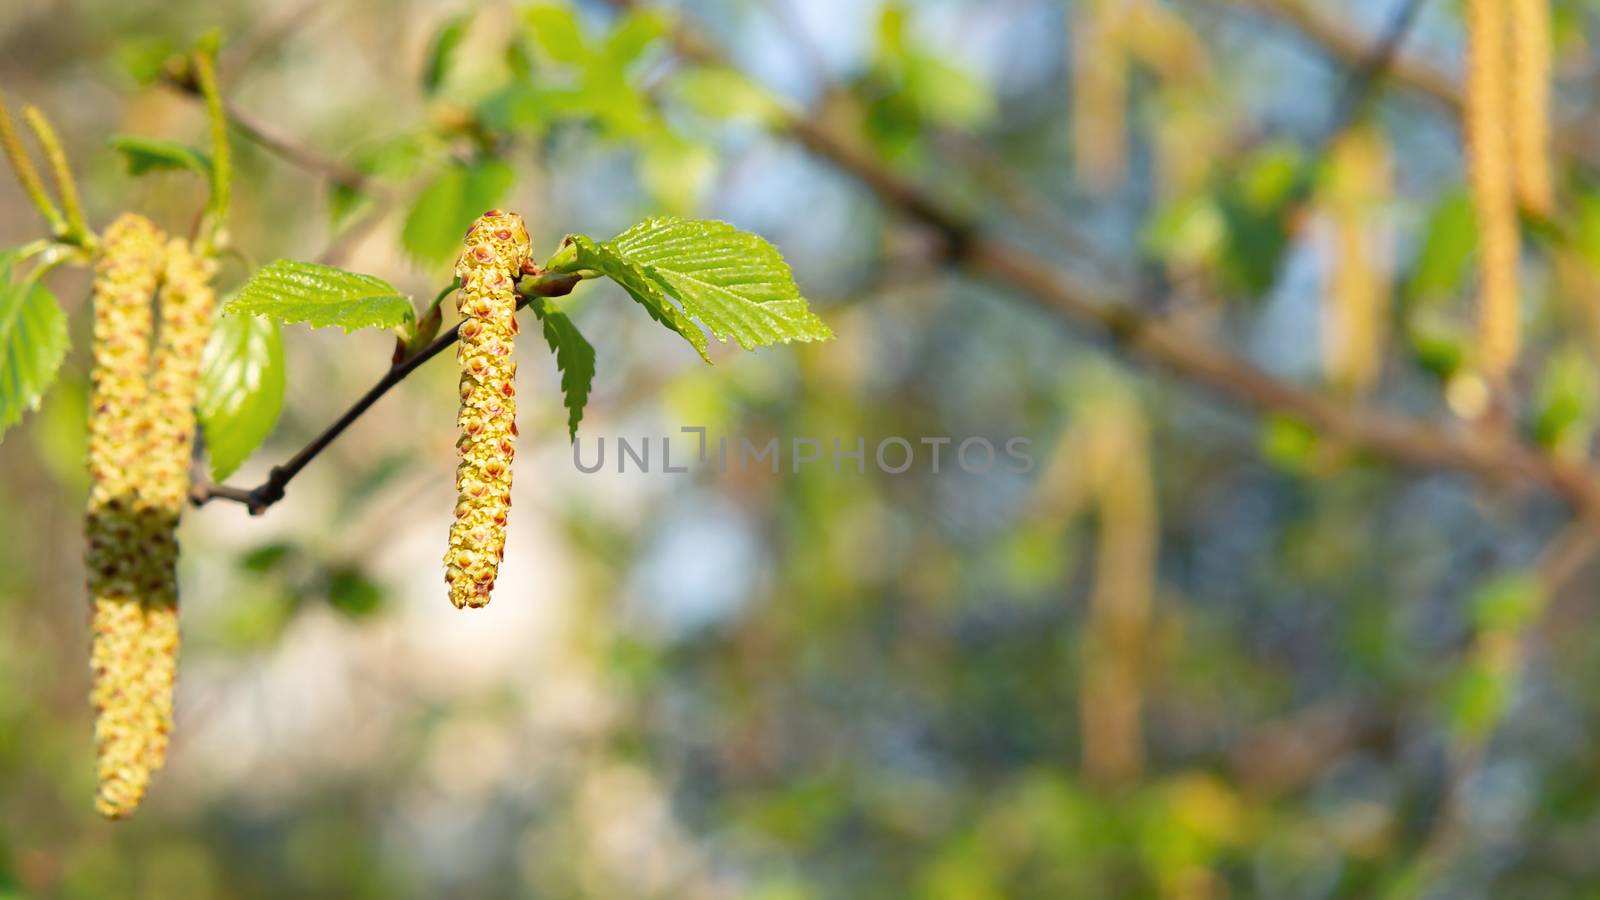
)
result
[(734, 282), (574, 357), (241, 389), (646, 290), (33, 341), (317, 295), (556, 32)]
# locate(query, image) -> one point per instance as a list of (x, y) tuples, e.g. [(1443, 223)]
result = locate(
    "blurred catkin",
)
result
[(496, 249), (1117, 635), (1489, 165), (131, 725), (1530, 104), (1355, 308), (1099, 95)]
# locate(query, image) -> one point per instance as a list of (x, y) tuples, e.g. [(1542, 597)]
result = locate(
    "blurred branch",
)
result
[(264, 495), (1399, 438), (284, 148)]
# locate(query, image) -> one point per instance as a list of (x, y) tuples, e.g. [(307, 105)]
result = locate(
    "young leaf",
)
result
[(290, 291), (145, 154), (583, 254), (33, 341), (241, 389), (733, 281), (441, 53), (556, 31), (433, 230), (574, 357)]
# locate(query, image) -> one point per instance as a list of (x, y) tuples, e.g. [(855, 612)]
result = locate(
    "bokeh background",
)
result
[(1192, 653)]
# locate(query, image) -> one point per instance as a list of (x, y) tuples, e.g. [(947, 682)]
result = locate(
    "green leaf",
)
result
[(33, 341), (241, 389), (145, 154), (718, 92), (556, 32), (583, 254), (446, 207), (1447, 252), (633, 35), (290, 291), (353, 593), (442, 51), (733, 281), (574, 357)]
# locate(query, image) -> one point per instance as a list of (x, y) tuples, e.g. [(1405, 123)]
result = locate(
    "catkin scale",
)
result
[(495, 251), (1489, 169), (131, 721)]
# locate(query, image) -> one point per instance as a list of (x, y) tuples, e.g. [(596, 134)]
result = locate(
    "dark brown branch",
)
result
[(1400, 439), (264, 495)]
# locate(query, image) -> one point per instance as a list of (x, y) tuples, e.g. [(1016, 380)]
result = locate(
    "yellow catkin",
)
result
[(1117, 631), (1355, 309), (496, 249), (187, 308), (1490, 173), (1530, 104), (129, 722), (1100, 95)]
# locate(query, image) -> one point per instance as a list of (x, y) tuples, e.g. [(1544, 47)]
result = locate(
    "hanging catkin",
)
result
[(1355, 309), (1530, 104), (131, 723), (1100, 94), (1490, 173), (496, 248), (1116, 638), (187, 304)]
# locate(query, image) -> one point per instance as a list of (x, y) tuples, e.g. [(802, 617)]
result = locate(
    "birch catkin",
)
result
[(1355, 311), (1489, 169), (1530, 104), (131, 723), (187, 305), (496, 249)]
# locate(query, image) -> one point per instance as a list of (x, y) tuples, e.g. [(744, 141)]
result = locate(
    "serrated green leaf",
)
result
[(241, 389), (442, 51), (146, 154), (646, 290), (317, 295), (446, 207), (734, 282), (33, 342), (574, 357)]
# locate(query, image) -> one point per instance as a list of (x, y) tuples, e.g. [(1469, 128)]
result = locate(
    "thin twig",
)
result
[(264, 495)]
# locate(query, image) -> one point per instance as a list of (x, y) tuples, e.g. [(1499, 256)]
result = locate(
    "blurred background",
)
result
[(1192, 652)]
